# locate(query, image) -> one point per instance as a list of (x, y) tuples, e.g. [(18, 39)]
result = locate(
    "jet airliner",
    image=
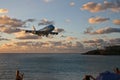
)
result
[(43, 32)]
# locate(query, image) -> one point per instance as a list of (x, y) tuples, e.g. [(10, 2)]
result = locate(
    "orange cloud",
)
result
[(9, 30), (42, 47), (94, 41), (4, 39), (116, 21), (70, 38), (3, 11), (97, 7), (22, 35), (11, 22), (93, 7), (95, 20), (106, 30)]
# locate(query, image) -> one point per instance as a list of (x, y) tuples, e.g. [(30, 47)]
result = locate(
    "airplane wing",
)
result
[(41, 33), (28, 31), (34, 32)]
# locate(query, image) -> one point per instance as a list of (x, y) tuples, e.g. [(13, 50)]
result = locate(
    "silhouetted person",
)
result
[(19, 76), (88, 77), (117, 71)]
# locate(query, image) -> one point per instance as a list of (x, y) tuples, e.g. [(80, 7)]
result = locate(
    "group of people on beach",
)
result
[(116, 75)]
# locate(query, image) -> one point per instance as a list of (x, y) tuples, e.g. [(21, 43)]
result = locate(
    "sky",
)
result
[(83, 25)]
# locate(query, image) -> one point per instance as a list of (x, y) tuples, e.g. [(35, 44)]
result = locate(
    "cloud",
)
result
[(9, 30), (68, 20), (22, 35), (42, 47), (11, 22), (116, 21), (93, 7), (44, 21), (94, 41), (47, 1), (115, 41), (97, 7), (79, 45), (4, 39), (88, 30), (113, 6), (12, 25), (3, 11), (105, 30), (71, 38), (95, 20), (59, 30), (72, 4), (30, 20), (116, 7)]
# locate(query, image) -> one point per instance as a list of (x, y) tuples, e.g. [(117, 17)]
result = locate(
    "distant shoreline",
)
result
[(110, 50)]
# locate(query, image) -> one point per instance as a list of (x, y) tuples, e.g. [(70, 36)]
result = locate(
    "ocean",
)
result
[(55, 66)]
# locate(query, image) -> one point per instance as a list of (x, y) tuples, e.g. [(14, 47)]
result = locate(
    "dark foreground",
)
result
[(55, 66)]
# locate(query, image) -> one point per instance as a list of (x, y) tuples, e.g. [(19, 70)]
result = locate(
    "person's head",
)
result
[(87, 77), (117, 69)]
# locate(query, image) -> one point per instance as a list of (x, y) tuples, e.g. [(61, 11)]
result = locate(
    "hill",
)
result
[(110, 50)]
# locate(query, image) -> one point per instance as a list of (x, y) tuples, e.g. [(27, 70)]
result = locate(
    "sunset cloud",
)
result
[(71, 38), (115, 41), (116, 21), (9, 30), (94, 41), (42, 47), (95, 20), (93, 7), (22, 35), (4, 39), (45, 21), (3, 10), (11, 22), (97, 7), (59, 30), (106, 30)]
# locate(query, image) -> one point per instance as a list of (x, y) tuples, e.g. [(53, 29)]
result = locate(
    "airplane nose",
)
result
[(51, 27)]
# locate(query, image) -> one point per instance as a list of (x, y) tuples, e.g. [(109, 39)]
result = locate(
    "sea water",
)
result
[(55, 66)]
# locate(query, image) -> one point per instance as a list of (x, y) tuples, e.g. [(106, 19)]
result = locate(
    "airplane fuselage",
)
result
[(43, 32)]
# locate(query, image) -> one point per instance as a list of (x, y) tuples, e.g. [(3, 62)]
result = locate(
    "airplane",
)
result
[(43, 32)]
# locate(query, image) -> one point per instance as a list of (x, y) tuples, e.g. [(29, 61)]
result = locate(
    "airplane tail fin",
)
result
[(34, 29)]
